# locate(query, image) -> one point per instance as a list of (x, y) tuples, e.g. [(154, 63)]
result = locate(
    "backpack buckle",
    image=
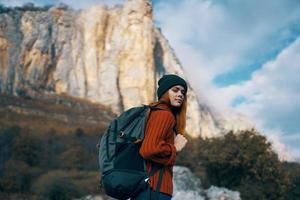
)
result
[(137, 141), (122, 134)]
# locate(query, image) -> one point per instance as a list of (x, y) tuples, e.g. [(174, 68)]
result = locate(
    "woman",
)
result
[(163, 136)]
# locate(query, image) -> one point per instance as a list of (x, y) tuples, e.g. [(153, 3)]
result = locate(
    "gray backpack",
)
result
[(123, 169)]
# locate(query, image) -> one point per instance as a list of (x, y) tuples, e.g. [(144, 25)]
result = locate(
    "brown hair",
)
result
[(180, 113)]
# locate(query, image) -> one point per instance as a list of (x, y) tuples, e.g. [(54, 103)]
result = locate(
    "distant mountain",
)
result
[(113, 57)]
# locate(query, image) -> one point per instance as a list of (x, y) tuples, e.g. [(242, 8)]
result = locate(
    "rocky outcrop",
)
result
[(187, 186), (109, 56)]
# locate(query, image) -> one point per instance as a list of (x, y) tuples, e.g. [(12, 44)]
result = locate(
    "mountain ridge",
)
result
[(113, 56)]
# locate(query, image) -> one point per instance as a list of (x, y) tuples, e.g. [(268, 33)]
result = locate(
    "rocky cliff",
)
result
[(113, 56)]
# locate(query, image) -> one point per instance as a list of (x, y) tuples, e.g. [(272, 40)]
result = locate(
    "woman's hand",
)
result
[(179, 142)]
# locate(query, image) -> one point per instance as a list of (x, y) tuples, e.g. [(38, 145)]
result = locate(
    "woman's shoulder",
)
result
[(163, 113)]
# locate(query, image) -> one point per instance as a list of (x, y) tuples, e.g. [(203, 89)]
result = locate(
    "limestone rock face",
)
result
[(113, 56), (200, 120)]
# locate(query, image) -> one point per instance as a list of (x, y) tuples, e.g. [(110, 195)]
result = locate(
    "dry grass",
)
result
[(64, 114)]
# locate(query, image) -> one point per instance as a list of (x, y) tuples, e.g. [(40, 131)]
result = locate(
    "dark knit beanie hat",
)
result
[(168, 81)]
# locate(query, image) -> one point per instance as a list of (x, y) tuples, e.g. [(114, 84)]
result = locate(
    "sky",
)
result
[(240, 55), (244, 57)]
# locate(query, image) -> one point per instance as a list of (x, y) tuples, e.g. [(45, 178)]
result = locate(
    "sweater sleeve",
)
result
[(154, 146)]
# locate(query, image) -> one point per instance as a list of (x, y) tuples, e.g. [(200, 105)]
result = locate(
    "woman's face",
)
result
[(176, 95)]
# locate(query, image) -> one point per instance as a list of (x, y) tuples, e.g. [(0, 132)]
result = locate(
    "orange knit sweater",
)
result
[(158, 146)]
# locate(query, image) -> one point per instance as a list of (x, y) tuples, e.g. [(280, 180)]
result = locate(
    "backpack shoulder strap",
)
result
[(161, 173)]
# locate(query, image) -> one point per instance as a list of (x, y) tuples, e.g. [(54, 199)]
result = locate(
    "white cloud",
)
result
[(272, 98), (214, 37), (73, 4), (292, 141), (227, 34), (276, 138), (273, 89)]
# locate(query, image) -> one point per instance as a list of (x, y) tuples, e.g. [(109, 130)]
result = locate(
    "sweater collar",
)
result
[(165, 106)]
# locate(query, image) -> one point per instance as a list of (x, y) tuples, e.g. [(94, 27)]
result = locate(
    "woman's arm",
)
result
[(154, 146)]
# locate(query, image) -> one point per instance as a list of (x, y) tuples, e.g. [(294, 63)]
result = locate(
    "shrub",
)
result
[(293, 169), (243, 162), (27, 147), (17, 176), (74, 158), (88, 181), (6, 139), (56, 185)]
